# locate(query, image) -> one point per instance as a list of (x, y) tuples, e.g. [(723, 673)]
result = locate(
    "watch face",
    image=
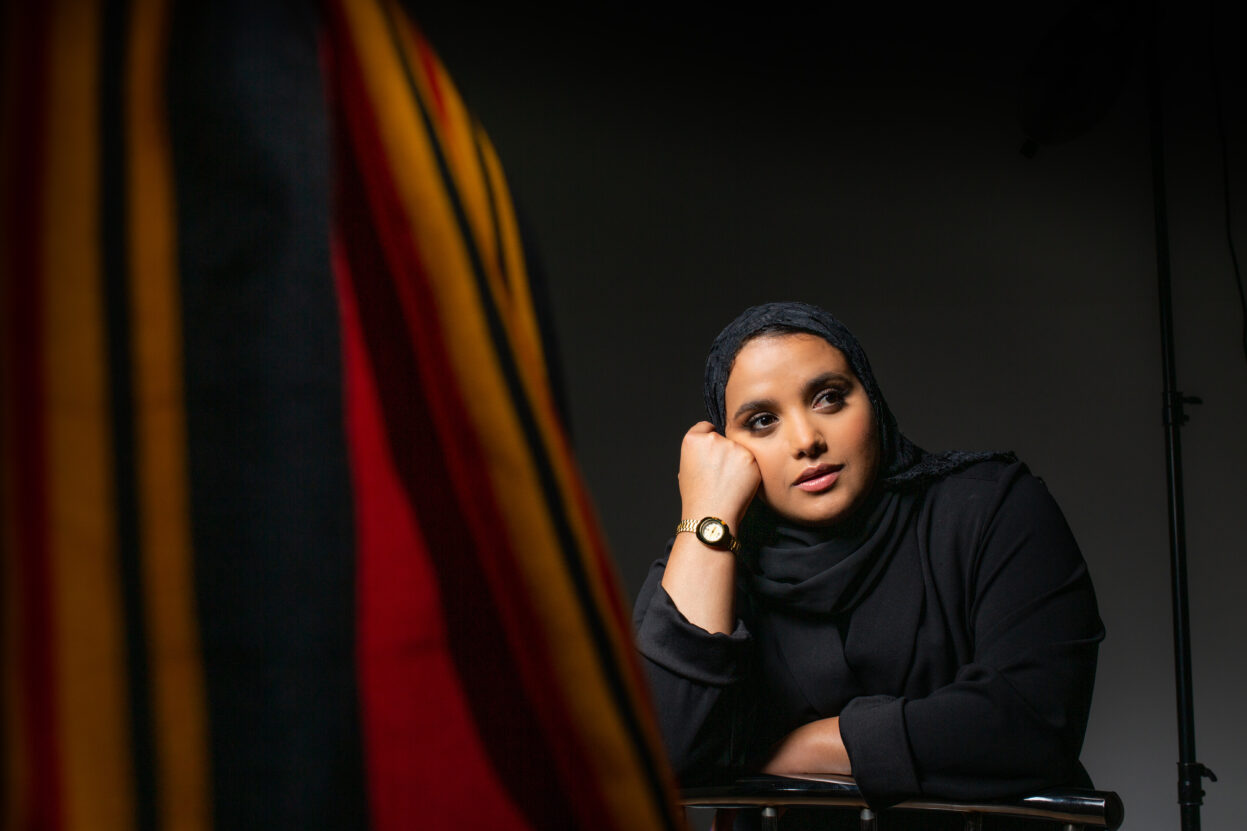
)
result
[(711, 531)]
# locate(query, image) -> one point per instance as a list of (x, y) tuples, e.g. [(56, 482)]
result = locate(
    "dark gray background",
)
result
[(677, 166)]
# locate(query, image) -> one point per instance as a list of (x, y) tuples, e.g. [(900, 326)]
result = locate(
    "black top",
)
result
[(952, 628)]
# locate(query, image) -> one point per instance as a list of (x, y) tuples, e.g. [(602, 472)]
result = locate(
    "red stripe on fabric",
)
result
[(604, 568), (466, 460), (419, 472), (476, 639), (428, 67), (25, 280), (569, 547), (416, 725)]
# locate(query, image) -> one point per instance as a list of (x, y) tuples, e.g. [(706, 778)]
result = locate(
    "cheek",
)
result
[(868, 444), (858, 440), (770, 465), (775, 480)]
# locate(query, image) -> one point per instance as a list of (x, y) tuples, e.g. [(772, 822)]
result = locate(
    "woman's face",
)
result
[(793, 402)]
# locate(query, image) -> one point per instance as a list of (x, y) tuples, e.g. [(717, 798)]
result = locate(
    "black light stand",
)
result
[(1190, 772), (1072, 81)]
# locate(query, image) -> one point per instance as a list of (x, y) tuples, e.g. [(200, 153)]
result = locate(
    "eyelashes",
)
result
[(759, 422), (833, 397), (828, 400)]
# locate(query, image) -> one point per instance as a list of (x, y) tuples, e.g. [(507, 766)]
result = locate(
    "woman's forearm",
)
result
[(702, 583), (812, 748), (718, 478)]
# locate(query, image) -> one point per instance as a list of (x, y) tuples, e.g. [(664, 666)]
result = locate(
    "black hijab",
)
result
[(902, 463)]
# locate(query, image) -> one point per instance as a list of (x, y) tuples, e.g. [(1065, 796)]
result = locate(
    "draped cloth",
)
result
[(291, 533), (825, 572)]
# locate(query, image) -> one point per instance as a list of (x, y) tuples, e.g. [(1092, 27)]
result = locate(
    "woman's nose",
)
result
[(806, 439)]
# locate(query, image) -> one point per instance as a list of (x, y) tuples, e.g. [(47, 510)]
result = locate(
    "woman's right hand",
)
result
[(718, 477)]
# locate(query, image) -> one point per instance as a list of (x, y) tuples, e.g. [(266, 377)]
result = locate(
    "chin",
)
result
[(843, 507), (824, 521), (821, 516)]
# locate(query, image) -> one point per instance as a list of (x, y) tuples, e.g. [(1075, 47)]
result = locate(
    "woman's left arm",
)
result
[(816, 747), (1013, 718)]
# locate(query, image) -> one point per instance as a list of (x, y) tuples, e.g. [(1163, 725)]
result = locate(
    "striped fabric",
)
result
[(292, 535)]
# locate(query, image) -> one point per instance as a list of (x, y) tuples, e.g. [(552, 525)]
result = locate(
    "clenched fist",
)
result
[(718, 477)]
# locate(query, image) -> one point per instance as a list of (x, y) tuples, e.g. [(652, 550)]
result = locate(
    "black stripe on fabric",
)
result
[(539, 293), (115, 260), (492, 201), (503, 713), (548, 481), (271, 506)]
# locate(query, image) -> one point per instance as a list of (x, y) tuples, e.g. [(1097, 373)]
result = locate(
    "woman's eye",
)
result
[(760, 421), (828, 399)]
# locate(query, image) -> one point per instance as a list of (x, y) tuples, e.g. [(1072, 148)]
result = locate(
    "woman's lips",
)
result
[(818, 479)]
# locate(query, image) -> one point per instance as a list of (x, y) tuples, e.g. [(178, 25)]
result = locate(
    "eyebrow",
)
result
[(809, 388)]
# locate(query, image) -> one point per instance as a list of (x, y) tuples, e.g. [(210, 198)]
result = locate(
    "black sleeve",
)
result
[(698, 682), (1012, 721)]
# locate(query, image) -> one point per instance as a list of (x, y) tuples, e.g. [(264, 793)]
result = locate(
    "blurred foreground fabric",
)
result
[(292, 534)]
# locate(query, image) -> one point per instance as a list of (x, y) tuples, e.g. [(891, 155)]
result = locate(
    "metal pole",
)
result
[(1190, 772)]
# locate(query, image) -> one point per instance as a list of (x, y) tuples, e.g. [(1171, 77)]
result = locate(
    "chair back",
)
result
[(1072, 809)]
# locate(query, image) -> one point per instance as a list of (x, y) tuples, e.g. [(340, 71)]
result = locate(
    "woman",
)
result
[(837, 600)]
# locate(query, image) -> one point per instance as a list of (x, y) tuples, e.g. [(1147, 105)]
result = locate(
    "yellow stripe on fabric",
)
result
[(90, 660), (513, 299), (516, 309), (527, 345), (571, 482), (515, 483), (176, 666), (454, 127), (523, 315), (458, 132), (457, 135)]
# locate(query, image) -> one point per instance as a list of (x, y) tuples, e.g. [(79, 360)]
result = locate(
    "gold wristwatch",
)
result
[(712, 531)]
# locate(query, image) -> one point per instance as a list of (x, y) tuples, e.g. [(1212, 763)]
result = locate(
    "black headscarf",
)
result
[(903, 463)]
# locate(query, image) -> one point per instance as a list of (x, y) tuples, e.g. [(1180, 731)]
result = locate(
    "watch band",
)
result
[(692, 526)]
